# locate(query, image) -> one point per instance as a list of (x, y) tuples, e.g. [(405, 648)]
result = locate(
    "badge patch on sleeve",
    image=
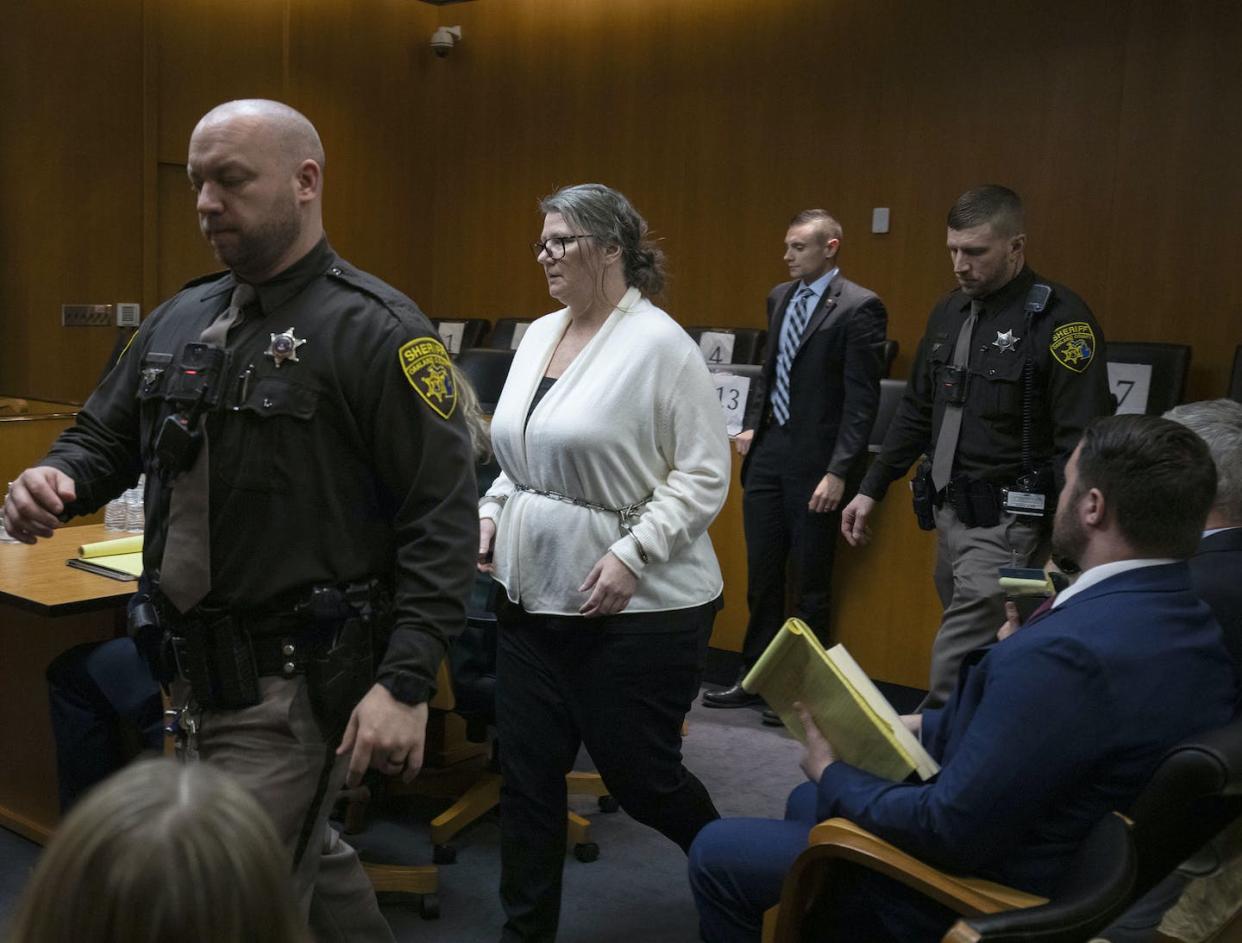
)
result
[(429, 370), (1073, 345)]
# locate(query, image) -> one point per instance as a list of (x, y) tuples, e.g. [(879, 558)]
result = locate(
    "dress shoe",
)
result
[(736, 696), (771, 719)]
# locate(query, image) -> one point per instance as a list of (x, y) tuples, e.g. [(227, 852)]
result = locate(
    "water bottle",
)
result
[(116, 514), (133, 506)]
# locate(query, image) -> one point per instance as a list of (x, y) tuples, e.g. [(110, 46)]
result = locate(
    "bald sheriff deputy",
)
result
[(310, 500)]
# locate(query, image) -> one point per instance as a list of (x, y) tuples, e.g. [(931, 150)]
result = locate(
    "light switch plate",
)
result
[(128, 313), (879, 219)]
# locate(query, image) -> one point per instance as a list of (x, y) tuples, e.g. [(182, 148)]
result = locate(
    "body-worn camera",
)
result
[(953, 383), (194, 390)]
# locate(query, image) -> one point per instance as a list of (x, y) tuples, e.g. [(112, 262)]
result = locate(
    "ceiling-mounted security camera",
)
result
[(444, 39)]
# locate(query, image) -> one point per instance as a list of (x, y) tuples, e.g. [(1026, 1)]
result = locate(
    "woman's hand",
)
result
[(611, 584), (487, 544)]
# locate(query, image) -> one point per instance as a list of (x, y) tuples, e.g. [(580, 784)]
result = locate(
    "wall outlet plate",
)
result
[(128, 313), (86, 315)]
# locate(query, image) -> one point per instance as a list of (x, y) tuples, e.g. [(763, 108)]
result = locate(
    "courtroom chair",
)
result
[(888, 354), (891, 392), (486, 369), (466, 686), (473, 330), (1235, 376), (748, 344), (1194, 793), (506, 334), (1170, 366)]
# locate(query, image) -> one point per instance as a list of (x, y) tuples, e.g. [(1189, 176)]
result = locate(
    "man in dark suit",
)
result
[(806, 432), (1046, 732), (1179, 907)]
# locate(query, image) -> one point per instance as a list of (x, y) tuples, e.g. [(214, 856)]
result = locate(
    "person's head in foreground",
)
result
[(162, 852)]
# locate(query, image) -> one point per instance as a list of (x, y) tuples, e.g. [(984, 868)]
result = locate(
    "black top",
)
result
[(1070, 389), (545, 384), (348, 463)]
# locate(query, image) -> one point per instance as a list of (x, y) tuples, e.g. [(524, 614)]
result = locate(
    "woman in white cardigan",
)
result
[(615, 460)]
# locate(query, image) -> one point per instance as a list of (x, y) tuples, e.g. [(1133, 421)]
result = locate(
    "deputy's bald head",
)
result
[(289, 130)]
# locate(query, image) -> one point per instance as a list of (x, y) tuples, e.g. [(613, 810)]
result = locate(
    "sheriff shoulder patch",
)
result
[(428, 368), (1073, 345)]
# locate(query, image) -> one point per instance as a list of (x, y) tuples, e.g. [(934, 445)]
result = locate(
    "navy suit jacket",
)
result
[(834, 383), (1216, 571), (1051, 729)]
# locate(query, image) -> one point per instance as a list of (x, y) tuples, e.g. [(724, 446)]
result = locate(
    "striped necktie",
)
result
[(791, 337), (185, 570)]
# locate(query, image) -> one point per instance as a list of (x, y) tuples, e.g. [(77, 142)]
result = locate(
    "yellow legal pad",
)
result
[(849, 710), (119, 559)]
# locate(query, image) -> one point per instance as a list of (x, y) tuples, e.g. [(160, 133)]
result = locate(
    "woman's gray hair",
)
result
[(162, 851), (1218, 422), (611, 219)]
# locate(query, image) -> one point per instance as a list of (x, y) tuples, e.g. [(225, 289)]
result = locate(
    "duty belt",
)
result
[(624, 514)]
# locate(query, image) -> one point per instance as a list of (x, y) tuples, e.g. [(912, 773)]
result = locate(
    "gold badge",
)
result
[(429, 370), (1073, 345)]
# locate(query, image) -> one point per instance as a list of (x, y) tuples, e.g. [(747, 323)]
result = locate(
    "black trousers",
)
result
[(781, 533), (621, 685)]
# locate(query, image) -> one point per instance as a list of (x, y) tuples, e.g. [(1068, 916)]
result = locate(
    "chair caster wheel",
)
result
[(444, 854), (429, 907), (586, 852), (608, 804)]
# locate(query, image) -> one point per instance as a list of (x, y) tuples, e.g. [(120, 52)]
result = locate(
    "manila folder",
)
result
[(849, 710)]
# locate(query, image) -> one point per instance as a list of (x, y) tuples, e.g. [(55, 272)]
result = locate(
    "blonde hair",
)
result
[(476, 422), (162, 851)]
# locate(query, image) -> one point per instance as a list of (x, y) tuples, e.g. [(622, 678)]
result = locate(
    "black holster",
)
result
[(339, 676), (923, 496)]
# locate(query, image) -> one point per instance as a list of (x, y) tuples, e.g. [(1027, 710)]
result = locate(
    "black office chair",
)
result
[(486, 369), (888, 353), (1170, 366), (472, 330), (891, 392), (748, 344), (1235, 376), (506, 334)]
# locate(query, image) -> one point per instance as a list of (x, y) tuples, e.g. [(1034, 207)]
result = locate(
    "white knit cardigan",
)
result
[(635, 415)]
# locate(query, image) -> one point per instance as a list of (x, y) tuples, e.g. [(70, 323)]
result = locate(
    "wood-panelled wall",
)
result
[(1119, 122)]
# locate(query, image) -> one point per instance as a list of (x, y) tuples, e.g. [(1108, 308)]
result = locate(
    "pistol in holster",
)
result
[(923, 495), (339, 674)]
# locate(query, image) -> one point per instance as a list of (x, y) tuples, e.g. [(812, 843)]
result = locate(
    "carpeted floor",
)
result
[(637, 888)]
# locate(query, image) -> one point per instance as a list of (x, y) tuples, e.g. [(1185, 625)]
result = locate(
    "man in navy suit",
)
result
[(806, 433), (1046, 732), (1207, 902)]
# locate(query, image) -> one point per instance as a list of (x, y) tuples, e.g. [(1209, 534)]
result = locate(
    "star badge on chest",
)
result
[(284, 346), (1006, 341)]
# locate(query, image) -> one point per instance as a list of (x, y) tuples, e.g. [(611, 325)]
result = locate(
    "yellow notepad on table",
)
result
[(849, 710), (119, 559)]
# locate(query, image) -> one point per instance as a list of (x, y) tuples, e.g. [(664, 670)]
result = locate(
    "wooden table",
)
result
[(45, 608)]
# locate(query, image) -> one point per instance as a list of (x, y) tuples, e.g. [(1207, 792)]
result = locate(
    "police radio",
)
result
[(1029, 495)]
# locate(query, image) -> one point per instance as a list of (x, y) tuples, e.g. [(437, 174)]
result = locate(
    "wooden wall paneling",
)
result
[(183, 252), (70, 172), (353, 71), (212, 51), (1174, 222)]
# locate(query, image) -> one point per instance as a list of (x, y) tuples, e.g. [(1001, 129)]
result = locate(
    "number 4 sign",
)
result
[(717, 347)]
